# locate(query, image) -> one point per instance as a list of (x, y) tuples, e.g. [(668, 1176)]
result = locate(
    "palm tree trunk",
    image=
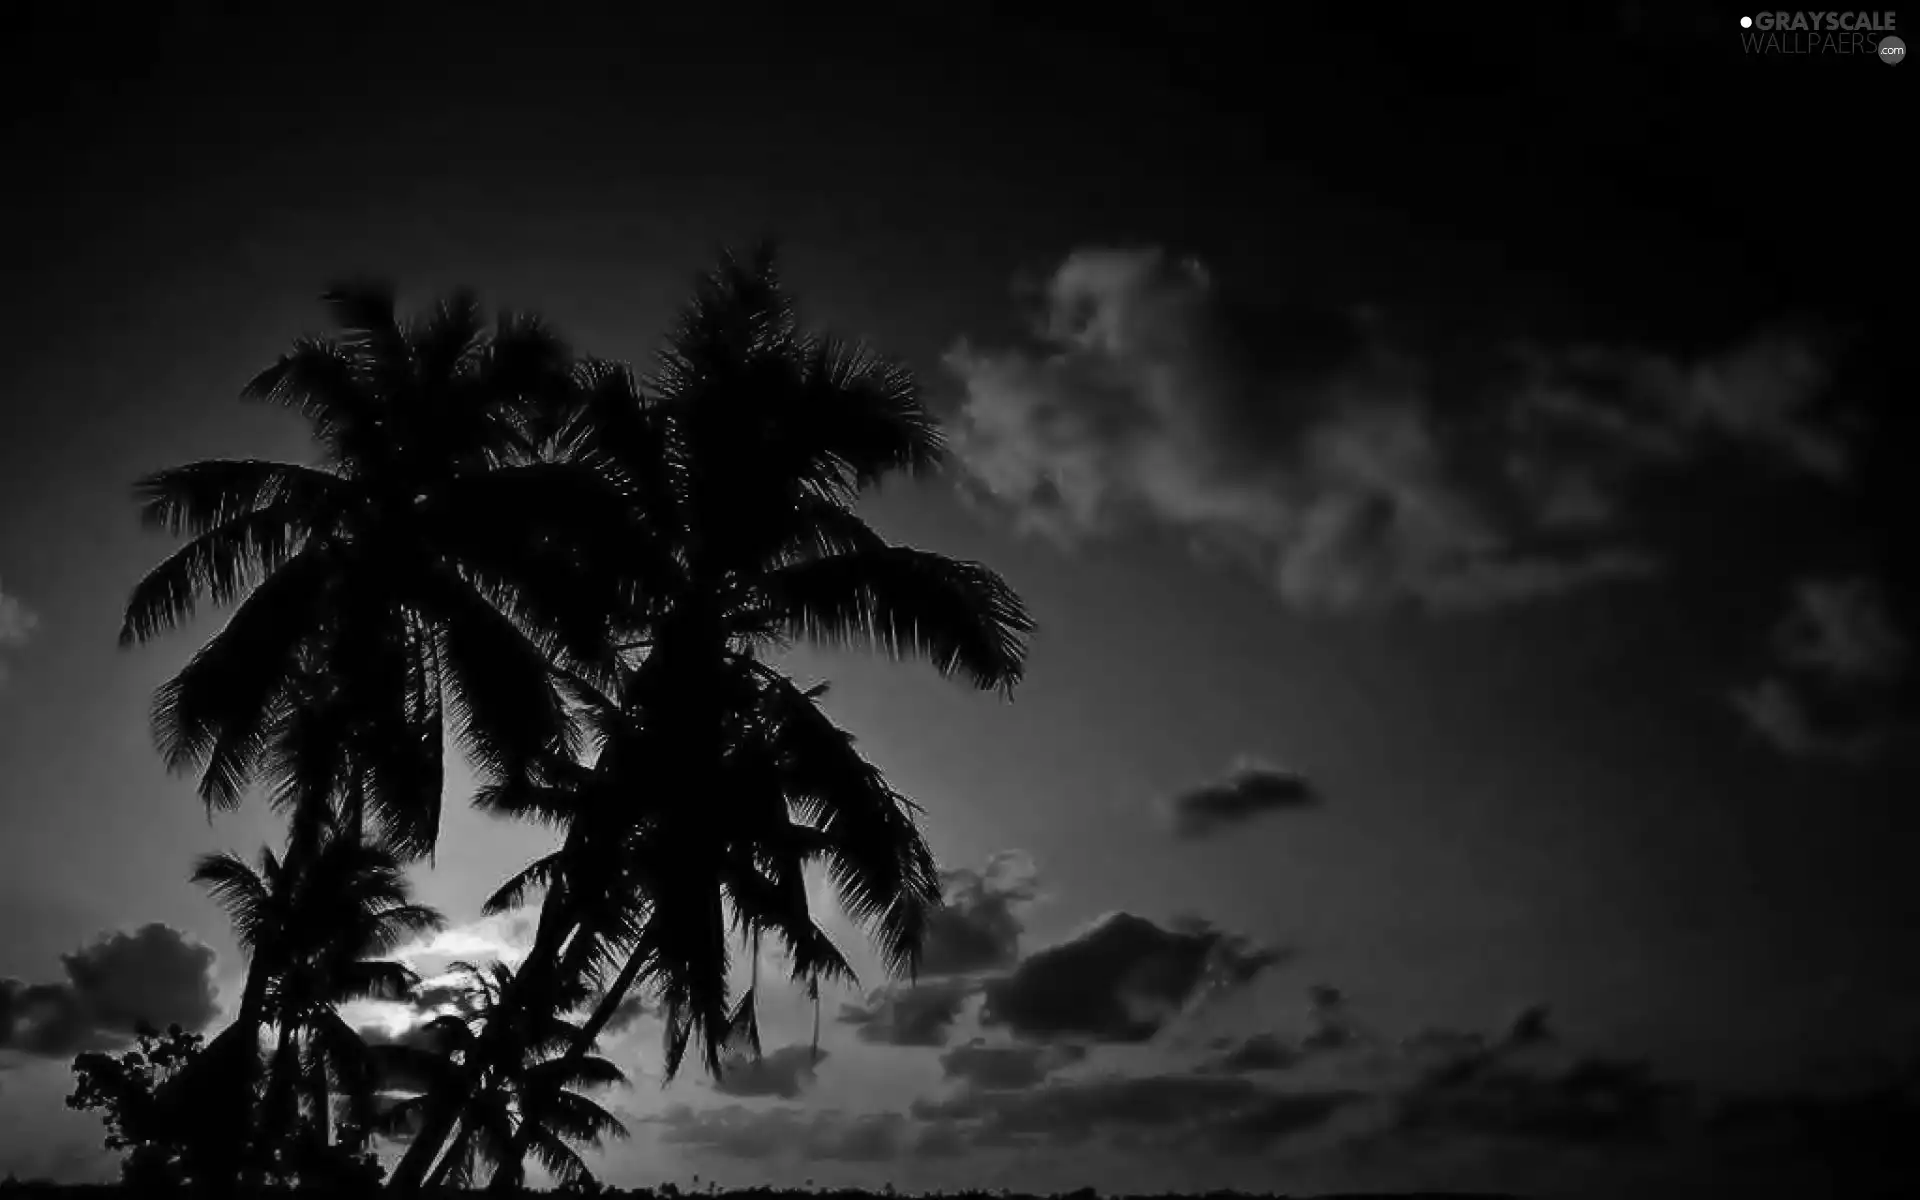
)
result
[(452, 1156), (508, 1172), (443, 1112), (322, 1094), (277, 1122)]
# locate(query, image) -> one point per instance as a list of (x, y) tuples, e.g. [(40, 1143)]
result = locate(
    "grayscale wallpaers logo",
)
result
[(1869, 33)]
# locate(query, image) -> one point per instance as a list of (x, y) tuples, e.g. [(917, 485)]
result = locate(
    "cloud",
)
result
[(735, 1131), (506, 938), (1249, 791), (977, 927), (1764, 392), (1591, 1100), (17, 625), (987, 1067), (1121, 980), (630, 1012), (1524, 1085), (155, 975), (1331, 1028), (870, 1137), (448, 993), (397, 1072), (1343, 457), (1842, 628), (975, 932), (1330, 1019), (785, 1073), (1167, 1111), (920, 1014), (1861, 1140), (1840, 661), (1259, 1052)]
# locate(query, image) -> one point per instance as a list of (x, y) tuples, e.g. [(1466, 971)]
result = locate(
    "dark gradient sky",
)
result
[(1548, 800)]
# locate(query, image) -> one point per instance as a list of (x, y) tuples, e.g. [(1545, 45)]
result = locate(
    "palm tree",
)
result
[(716, 779), (517, 1084), (423, 573), (313, 930)]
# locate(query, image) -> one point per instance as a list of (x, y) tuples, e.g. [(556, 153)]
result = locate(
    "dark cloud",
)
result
[(986, 1067), (1590, 1100), (1331, 1028), (1225, 1113), (869, 1137), (975, 931), (734, 1130), (1352, 460), (977, 928), (155, 976), (939, 1139), (788, 1133), (1841, 659), (1523, 1095), (785, 1073), (1250, 790), (919, 1014), (1522, 1085), (1856, 1142), (1120, 981), (1330, 1021), (1260, 1052)]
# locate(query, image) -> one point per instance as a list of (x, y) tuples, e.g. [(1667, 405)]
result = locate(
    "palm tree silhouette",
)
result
[(313, 930), (581, 575), (420, 574), (517, 1083), (717, 779)]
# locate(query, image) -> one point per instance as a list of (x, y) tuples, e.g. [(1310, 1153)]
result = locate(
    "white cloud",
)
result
[(505, 938), (1335, 455)]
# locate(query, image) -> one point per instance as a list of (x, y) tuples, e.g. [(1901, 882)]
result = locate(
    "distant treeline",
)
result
[(16, 1190)]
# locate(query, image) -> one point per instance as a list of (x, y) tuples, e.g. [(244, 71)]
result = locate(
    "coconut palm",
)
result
[(421, 574), (517, 1081), (314, 930), (714, 779)]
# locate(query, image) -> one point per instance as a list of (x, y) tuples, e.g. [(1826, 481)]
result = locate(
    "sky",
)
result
[(1454, 462)]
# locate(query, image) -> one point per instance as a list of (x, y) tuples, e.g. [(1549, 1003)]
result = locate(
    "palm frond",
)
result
[(860, 417), (876, 858), (959, 615), (203, 496), (217, 711), (239, 891), (507, 712), (324, 382)]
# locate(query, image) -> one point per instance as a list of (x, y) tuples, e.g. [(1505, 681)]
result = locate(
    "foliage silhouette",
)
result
[(581, 574), (419, 574), (134, 1094), (717, 780), (313, 930), (511, 1070)]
